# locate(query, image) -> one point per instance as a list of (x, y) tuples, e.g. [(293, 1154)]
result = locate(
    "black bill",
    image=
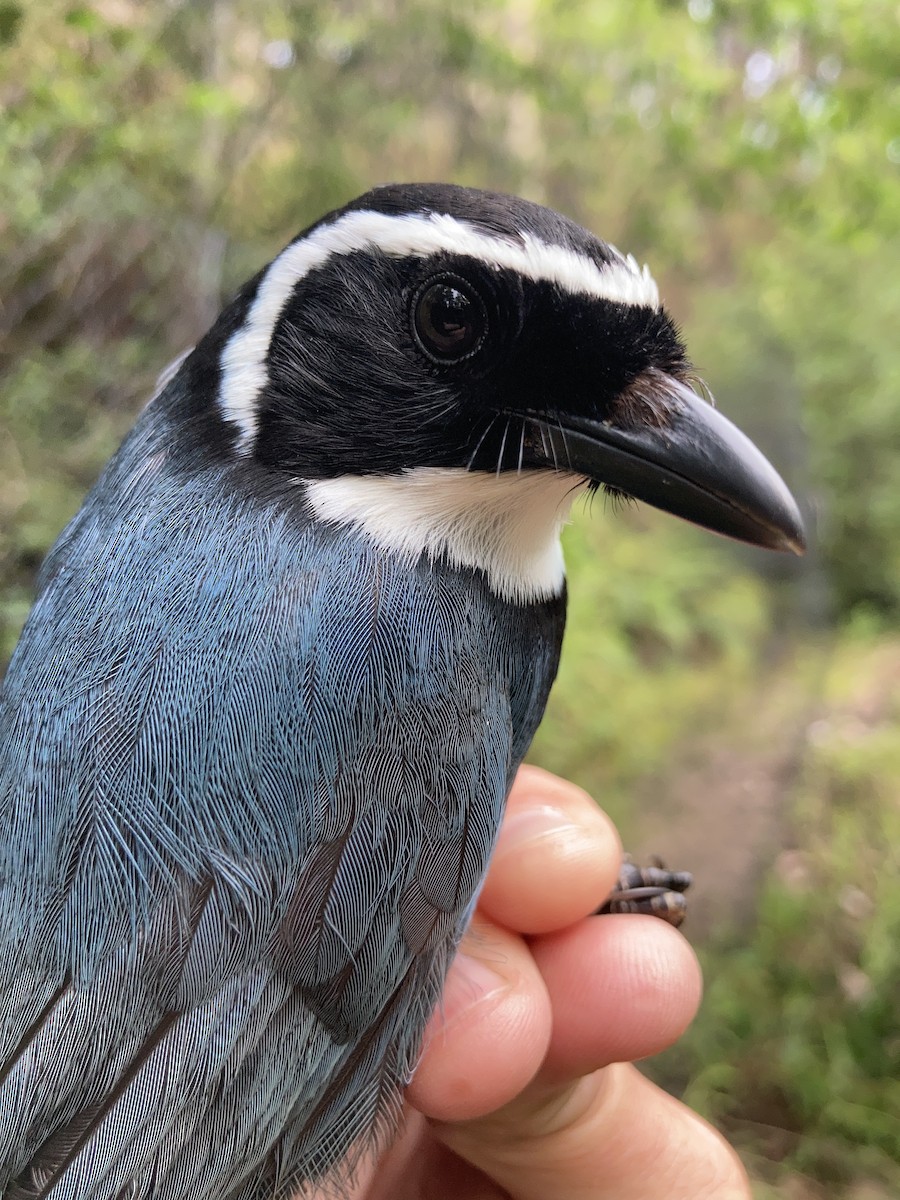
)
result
[(690, 461)]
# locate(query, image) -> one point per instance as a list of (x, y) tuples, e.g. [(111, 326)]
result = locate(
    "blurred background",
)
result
[(737, 713)]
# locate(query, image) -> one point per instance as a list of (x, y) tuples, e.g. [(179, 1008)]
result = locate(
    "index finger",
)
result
[(557, 857)]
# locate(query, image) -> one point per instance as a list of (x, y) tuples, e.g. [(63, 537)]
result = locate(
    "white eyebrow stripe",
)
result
[(243, 361)]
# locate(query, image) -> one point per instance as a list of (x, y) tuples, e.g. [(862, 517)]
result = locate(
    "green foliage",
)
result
[(850, 371), (50, 453), (797, 1051), (661, 628)]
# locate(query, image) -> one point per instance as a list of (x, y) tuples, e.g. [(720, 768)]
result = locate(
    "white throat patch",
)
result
[(244, 372), (507, 525)]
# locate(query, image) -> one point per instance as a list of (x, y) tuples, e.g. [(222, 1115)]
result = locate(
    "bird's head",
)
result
[(446, 368)]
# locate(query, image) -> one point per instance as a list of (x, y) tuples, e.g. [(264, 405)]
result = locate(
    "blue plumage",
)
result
[(247, 795)]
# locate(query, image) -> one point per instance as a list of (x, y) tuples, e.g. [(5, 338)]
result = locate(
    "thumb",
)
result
[(613, 1135)]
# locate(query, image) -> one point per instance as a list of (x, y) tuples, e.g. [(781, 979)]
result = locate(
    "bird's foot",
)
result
[(653, 890)]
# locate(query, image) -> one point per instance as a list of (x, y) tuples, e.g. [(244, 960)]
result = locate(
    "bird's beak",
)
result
[(690, 461)]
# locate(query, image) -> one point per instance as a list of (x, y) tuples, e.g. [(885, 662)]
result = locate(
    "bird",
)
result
[(282, 667)]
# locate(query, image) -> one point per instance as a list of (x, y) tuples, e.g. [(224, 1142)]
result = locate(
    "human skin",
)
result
[(525, 1090)]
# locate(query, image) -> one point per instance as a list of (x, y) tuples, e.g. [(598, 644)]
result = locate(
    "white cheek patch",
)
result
[(244, 358), (506, 525)]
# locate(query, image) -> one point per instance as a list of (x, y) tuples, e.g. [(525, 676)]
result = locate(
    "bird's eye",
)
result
[(449, 319)]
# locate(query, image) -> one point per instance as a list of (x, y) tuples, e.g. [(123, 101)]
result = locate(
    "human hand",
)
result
[(525, 1089)]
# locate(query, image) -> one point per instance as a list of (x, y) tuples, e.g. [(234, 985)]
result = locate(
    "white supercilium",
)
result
[(244, 358)]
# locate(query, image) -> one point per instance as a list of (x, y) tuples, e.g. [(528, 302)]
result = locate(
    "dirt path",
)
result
[(721, 814)]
